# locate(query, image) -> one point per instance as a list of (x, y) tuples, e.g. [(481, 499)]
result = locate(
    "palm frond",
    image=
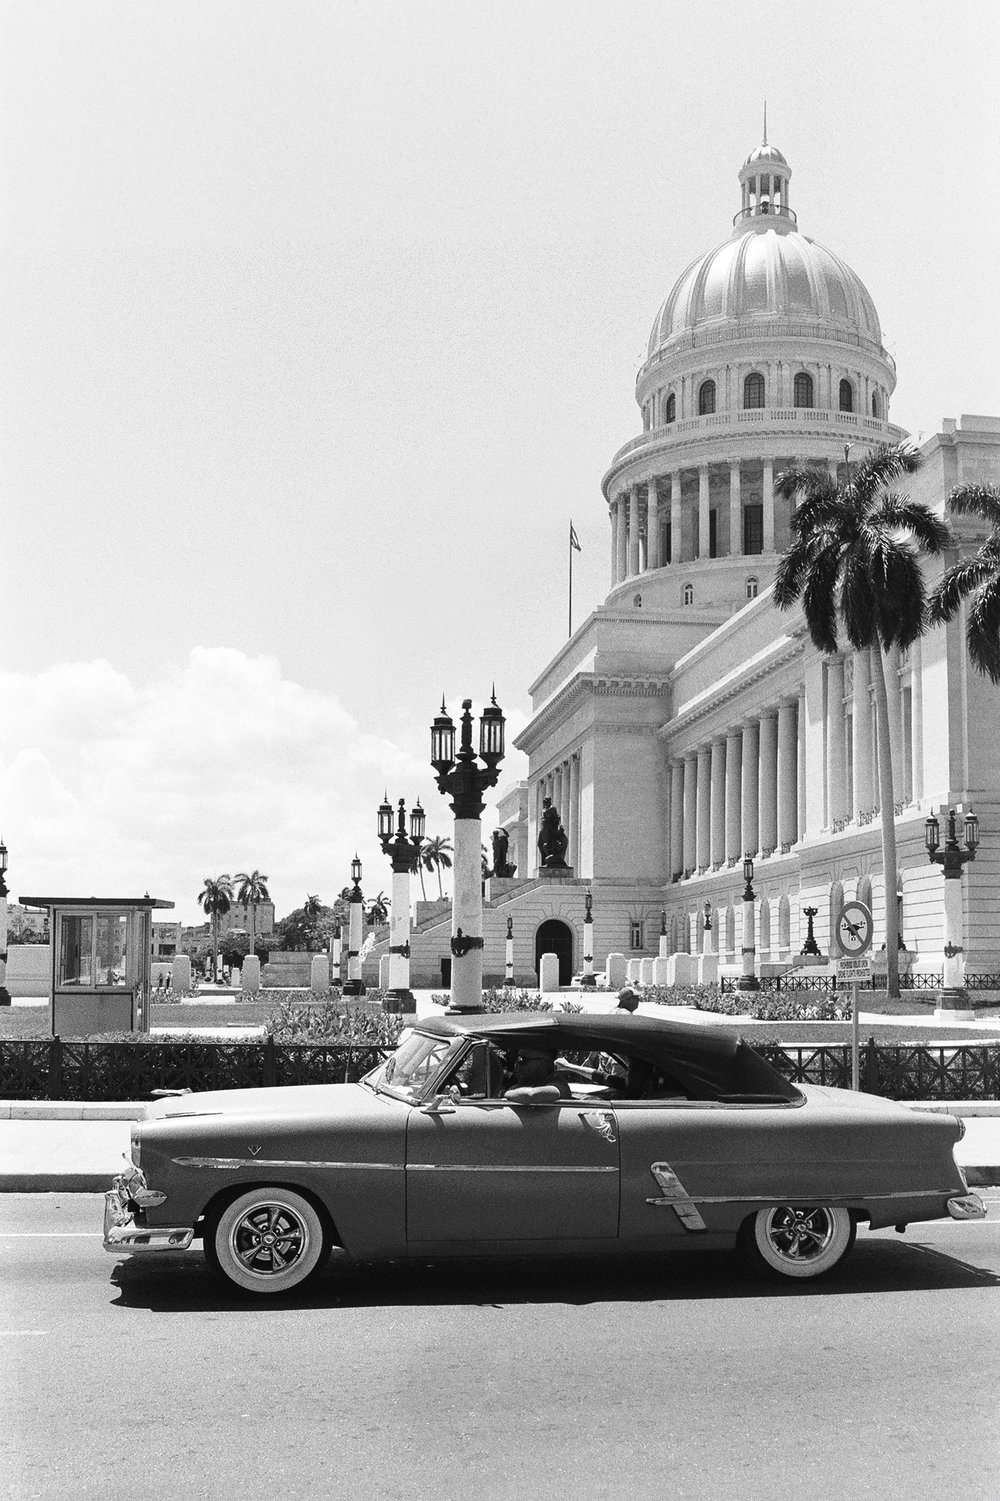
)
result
[(803, 481), (790, 574), (828, 512), (961, 580), (857, 600), (984, 630), (880, 468), (899, 592), (930, 532), (819, 599), (976, 500)]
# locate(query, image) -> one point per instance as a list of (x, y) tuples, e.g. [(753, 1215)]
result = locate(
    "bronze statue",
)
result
[(552, 839), (501, 869)]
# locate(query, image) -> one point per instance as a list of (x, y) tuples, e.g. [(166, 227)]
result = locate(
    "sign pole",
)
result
[(855, 1042)]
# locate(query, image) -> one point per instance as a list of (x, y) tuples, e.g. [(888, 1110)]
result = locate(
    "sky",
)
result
[(320, 321)]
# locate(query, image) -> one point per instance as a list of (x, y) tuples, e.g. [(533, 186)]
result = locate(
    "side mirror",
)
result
[(534, 1094), (441, 1104)]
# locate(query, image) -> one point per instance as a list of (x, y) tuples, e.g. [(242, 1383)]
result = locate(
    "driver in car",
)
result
[(536, 1076)]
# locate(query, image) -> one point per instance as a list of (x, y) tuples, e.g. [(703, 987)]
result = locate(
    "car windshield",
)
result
[(406, 1074)]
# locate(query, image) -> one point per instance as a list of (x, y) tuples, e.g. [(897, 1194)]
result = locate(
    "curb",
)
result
[(70, 1110), (55, 1183)]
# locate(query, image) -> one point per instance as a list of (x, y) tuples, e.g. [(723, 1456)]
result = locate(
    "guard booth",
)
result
[(101, 949)]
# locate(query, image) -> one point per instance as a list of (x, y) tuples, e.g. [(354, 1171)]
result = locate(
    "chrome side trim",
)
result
[(238, 1162), (675, 1196), (966, 1207), (476, 1167)]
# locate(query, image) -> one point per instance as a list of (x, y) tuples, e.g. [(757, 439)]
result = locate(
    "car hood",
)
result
[(285, 1102)]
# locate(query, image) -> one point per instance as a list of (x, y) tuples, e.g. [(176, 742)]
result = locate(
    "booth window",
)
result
[(76, 951), (92, 950)]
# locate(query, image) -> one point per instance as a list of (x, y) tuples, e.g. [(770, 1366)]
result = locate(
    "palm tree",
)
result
[(978, 576), (435, 854), (215, 900), (378, 911), (418, 866), (312, 908), (251, 891), (854, 561)]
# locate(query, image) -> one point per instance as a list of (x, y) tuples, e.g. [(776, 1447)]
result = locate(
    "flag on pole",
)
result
[(574, 540)]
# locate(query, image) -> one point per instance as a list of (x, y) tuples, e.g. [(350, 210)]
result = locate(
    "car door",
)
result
[(693, 1167), (483, 1173)]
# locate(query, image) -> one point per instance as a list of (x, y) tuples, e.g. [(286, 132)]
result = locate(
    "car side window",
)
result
[(480, 1075)]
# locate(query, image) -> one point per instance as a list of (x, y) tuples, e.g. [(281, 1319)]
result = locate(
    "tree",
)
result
[(252, 890), (854, 562), (436, 854), (312, 908), (978, 577), (215, 900)]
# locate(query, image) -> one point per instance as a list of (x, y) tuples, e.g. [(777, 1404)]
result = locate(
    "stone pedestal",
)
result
[(250, 974), (548, 973), (555, 873), (319, 973), (646, 971), (661, 968), (614, 971)]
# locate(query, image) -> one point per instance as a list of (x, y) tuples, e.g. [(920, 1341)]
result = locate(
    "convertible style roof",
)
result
[(698, 1056)]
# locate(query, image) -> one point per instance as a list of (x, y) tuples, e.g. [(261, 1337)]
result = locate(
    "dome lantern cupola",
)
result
[(764, 184)]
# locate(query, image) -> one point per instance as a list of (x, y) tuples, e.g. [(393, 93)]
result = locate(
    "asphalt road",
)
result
[(687, 1378)]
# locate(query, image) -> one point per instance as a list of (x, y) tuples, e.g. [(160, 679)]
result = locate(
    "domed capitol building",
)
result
[(688, 722)]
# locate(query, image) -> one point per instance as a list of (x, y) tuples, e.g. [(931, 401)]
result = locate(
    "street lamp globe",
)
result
[(443, 741), (385, 818), (932, 833), (418, 821)]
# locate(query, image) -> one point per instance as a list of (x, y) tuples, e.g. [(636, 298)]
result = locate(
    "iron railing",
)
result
[(57, 1070), (770, 984)]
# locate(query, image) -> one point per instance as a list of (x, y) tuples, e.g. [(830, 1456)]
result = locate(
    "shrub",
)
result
[(337, 1024), (823, 1006), (504, 998)]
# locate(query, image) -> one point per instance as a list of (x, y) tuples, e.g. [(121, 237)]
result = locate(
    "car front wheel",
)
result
[(267, 1241), (799, 1241)]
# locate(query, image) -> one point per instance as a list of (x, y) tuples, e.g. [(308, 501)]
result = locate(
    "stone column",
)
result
[(622, 564), (864, 759), (748, 790), (917, 720), (768, 781), (676, 555), (895, 699), (703, 511), (614, 542), (559, 795), (734, 763), (735, 510), (652, 526), (718, 801), (690, 812), (788, 773), (633, 532), (676, 819), (800, 735), (704, 795), (768, 498), (836, 742), (574, 812)]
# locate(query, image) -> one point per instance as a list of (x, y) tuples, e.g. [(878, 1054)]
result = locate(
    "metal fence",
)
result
[(769, 984), (57, 1070)]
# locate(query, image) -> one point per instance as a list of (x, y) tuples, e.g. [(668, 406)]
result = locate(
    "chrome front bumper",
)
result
[(128, 1194), (967, 1207)]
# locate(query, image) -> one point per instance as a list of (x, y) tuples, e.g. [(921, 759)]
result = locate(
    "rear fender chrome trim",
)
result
[(966, 1207), (229, 1163), (675, 1196)]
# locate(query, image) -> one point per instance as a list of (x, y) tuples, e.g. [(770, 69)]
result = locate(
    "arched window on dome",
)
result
[(670, 409), (706, 398), (688, 594), (803, 389), (875, 410), (753, 390), (846, 396), (752, 585), (637, 601)]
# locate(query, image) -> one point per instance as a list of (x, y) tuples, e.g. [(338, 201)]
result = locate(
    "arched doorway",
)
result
[(554, 937)]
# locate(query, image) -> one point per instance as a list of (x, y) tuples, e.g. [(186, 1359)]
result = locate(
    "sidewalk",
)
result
[(53, 1147)]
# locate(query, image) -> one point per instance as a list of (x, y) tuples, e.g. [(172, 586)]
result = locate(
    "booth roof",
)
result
[(94, 901)]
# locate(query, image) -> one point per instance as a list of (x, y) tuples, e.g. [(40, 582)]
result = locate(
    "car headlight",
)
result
[(961, 1127), (136, 1147)]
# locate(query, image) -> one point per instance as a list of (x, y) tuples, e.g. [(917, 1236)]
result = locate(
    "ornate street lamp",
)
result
[(404, 852), (4, 992), (748, 979), (810, 946), (952, 859), (588, 980), (461, 779), (508, 969), (354, 984)]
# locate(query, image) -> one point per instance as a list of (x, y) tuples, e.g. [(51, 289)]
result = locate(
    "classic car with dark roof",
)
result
[(534, 1134)]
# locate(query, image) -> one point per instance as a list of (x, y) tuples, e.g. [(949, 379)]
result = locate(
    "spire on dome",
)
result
[(765, 122)]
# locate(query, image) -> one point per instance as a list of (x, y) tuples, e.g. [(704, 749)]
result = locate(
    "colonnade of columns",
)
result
[(562, 785), (738, 794), (638, 511)]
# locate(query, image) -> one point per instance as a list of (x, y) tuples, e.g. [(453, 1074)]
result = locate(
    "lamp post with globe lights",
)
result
[(354, 985), (952, 859), (403, 851), (464, 781)]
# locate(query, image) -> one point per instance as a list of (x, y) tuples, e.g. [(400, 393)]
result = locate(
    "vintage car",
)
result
[(533, 1134)]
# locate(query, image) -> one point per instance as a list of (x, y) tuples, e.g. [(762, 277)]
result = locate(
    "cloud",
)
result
[(223, 764)]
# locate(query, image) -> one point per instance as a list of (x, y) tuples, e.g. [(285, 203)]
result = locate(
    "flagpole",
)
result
[(571, 581)]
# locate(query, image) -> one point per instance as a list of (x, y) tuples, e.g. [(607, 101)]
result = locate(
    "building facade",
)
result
[(688, 722)]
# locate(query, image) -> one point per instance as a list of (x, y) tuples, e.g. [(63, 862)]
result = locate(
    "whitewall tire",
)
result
[(267, 1241), (799, 1240)]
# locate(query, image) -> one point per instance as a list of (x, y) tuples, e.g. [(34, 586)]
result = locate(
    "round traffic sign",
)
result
[(854, 929)]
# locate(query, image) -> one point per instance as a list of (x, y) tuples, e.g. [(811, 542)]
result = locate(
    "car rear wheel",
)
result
[(267, 1241), (799, 1241)]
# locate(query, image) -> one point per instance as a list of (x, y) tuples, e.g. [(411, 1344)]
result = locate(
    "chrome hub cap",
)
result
[(269, 1239), (800, 1234)]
